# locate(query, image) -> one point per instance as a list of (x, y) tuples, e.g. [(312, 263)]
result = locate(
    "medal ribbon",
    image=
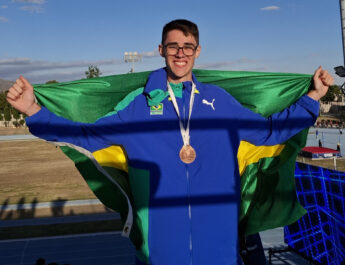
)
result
[(184, 131)]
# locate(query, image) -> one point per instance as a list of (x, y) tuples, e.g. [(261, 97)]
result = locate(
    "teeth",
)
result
[(180, 63)]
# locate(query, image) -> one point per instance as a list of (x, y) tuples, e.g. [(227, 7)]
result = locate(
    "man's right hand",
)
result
[(21, 96)]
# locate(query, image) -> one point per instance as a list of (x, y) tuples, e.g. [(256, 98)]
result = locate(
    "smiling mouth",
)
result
[(180, 63)]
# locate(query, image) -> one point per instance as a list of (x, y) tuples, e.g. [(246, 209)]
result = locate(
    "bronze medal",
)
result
[(187, 154)]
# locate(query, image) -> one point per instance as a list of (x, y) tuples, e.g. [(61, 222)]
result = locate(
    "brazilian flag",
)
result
[(268, 196)]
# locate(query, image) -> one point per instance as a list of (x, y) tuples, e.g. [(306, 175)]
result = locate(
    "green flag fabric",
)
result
[(268, 196)]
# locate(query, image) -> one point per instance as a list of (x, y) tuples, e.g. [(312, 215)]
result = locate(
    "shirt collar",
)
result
[(156, 87)]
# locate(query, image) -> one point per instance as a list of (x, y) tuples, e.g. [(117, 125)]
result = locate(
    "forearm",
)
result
[(314, 95), (33, 109), (281, 126), (48, 126), (293, 119)]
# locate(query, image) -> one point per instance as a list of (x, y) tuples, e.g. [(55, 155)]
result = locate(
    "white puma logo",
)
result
[(209, 103)]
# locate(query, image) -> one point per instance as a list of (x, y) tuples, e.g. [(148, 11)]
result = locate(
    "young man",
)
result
[(182, 162)]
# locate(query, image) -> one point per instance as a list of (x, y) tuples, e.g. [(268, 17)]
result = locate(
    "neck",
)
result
[(176, 80)]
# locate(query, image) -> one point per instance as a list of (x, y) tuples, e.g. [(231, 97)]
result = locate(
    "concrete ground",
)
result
[(275, 239)]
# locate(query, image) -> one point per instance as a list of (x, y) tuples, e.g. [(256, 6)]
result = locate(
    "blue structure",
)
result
[(320, 234)]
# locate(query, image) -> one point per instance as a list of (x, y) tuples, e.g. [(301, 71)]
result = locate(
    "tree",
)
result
[(16, 124), (7, 114), (3, 101), (4, 105), (332, 93), (92, 72), (15, 113), (22, 122), (52, 82)]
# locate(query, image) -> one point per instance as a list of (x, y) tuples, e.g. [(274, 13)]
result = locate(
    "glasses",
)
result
[(173, 49)]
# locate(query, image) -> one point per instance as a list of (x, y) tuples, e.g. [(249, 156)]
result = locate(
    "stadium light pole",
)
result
[(132, 57), (340, 70)]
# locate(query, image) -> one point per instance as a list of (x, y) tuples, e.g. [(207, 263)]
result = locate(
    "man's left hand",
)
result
[(322, 81)]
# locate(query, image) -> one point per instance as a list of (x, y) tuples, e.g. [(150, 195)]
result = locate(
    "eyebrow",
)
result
[(185, 43)]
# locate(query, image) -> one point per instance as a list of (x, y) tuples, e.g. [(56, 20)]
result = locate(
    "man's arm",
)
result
[(281, 126), (21, 96), (322, 81), (46, 125)]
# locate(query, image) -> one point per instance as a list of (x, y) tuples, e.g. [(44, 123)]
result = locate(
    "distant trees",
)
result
[(92, 72), (3, 100), (3, 105), (52, 82), (15, 113), (8, 113), (21, 122), (332, 94)]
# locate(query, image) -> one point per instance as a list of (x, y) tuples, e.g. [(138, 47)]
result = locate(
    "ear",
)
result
[(197, 52), (161, 50)]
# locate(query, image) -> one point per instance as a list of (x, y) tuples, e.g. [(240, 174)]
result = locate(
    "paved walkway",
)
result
[(18, 137), (275, 239)]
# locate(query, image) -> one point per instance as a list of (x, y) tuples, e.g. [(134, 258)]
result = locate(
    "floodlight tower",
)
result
[(340, 70), (132, 57)]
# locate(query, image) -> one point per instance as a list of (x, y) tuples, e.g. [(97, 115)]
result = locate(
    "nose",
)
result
[(180, 52)]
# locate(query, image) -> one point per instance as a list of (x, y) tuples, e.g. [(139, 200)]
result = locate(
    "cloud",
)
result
[(32, 9), (150, 54), (35, 6), (3, 19), (270, 8), (11, 68), (3, 7), (38, 2), (14, 61)]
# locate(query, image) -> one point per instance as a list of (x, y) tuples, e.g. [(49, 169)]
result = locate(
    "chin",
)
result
[(181, 75)]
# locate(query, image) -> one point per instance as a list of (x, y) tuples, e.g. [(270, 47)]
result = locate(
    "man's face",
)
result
[(179, 65)]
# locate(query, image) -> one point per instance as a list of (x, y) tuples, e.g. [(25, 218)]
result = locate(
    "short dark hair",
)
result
[(186, 26)]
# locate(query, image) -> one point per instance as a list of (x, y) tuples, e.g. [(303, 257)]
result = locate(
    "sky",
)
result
[(58, 39)]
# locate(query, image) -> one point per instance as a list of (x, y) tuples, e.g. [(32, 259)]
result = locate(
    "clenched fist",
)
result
[(322, 81), (21, 97)]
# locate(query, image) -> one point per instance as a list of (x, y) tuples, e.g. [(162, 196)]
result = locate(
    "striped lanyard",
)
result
[(184, 131)]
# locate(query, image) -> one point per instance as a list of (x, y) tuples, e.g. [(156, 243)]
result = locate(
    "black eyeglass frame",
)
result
[(178, 49)]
